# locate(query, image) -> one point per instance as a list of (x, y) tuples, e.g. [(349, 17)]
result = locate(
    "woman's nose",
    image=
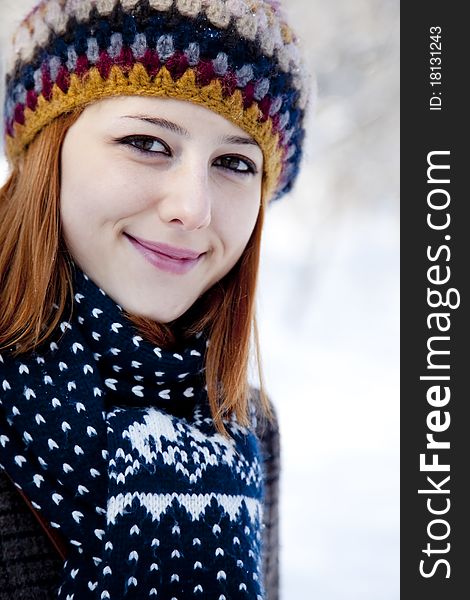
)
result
[(187, 202)]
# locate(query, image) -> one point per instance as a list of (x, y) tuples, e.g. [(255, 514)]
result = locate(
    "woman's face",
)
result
[(159, 198)]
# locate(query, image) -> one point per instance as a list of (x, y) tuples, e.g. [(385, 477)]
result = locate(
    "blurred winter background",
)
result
[(329, 309)]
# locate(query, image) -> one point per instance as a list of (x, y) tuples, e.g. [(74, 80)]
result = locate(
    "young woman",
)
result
[(145, 139)]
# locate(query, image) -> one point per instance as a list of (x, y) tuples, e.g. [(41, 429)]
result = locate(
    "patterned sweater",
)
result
[(30, 567), (111, 439)]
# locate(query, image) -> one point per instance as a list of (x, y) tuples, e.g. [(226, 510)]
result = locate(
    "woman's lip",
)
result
[(169, 251), (158, 255)]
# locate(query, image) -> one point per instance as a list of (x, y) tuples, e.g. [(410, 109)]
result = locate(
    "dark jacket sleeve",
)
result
[(29, 566), (268, 434)]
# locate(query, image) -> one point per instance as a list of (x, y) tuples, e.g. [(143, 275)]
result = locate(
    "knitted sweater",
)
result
[(30, 568), (168, 505)]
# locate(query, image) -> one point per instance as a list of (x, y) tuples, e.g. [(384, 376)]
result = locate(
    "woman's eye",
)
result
[(237, 164), (145, 143)]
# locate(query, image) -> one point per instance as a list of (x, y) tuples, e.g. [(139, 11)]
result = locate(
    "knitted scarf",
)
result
[(112, 440)]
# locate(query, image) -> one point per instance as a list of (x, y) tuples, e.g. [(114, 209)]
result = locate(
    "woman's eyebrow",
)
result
[(238, 139), (169, 125), (175, 128)]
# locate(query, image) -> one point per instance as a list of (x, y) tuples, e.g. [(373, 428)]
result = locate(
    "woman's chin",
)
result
[(159, 314)]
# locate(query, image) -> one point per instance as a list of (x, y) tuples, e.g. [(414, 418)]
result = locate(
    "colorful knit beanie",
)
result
[(236, 57)]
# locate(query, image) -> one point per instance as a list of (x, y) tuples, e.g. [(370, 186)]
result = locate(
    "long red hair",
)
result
[(36, 282)]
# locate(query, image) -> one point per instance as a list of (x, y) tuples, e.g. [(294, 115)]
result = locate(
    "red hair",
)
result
[(35, 279)]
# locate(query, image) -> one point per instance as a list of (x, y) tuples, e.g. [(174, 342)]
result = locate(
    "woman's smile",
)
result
[(165, 257)]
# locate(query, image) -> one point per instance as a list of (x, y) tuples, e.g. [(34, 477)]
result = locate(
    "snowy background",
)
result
[(329, 312)]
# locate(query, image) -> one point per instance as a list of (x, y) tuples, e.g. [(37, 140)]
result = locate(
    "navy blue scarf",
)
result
[(112, 440)]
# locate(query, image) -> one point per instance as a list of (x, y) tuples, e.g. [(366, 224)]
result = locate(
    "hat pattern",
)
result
[(236, 57)]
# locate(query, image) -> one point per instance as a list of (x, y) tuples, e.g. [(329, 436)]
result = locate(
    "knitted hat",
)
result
[(236, 57)]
